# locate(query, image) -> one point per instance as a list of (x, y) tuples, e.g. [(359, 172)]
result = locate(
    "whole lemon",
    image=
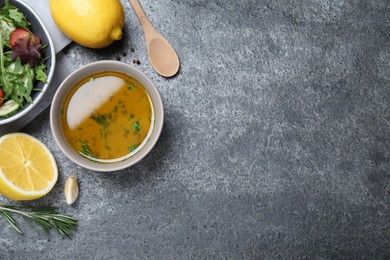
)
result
[(90, 23)]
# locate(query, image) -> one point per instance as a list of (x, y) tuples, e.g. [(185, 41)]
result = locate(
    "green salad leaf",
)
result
[(10, 19), (17, 79)]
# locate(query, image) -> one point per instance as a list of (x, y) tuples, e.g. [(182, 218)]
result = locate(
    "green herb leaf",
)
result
[(47, 218), (132, 86), (101, 119), (40, 72), (133, 147), (86, 149), (136, 127), (17, 17)]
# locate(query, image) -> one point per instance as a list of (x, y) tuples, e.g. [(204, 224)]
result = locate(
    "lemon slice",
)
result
[(27, 167)]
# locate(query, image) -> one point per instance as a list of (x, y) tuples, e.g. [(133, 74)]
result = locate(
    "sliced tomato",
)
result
[(21, 33), (1, 97), (26, 46)]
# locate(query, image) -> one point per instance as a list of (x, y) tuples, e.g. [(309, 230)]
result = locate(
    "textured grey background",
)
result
[(275, 145)]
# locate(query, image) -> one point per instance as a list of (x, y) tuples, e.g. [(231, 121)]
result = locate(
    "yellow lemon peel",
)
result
[(90, 23)]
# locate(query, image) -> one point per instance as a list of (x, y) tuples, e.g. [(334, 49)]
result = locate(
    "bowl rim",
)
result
[(84, 72), (41, 94)]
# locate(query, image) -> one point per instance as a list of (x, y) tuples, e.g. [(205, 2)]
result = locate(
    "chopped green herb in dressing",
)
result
[(136, 127), (133, 147), (101, 119), (132, 86)]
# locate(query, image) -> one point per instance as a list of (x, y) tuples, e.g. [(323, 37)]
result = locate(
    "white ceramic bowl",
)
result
[(38, 28), (85, 72)]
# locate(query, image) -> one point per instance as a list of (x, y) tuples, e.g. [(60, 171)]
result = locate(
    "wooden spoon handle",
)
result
[(143, 19)]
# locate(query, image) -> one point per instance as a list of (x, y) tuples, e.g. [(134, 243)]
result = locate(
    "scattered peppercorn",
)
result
[(118, 58), (132, 49), (124, 54), (138, 62), (134, 61)]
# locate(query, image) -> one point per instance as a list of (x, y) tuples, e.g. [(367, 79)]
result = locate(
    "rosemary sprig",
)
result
[(47, 218)]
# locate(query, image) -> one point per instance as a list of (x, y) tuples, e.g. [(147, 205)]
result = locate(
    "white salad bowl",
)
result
[(67, 89), (49, 54)]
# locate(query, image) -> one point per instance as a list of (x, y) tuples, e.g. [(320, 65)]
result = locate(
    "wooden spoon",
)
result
[(161, 54)]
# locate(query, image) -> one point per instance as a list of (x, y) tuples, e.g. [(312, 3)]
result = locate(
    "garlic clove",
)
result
[(71, 190)]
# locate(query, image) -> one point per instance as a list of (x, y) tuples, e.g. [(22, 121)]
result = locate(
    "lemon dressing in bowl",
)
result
[(107, 117)]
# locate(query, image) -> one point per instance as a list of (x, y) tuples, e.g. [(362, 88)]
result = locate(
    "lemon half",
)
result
[(28, 169)]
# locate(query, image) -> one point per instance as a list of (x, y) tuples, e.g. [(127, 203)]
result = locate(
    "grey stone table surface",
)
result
[(276, 140)]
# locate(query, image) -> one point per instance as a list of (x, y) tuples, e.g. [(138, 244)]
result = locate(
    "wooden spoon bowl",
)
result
[(162, 56)]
